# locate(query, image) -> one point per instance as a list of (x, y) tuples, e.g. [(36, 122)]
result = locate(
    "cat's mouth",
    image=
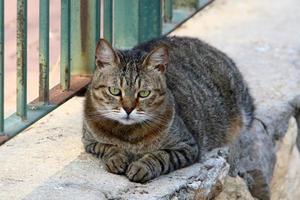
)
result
[(127, 120)]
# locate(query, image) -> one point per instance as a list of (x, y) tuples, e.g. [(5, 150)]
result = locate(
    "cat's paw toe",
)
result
[(117, 164), (139, 172)]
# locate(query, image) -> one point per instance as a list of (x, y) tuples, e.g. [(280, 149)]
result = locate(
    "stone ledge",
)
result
[(85, 178)]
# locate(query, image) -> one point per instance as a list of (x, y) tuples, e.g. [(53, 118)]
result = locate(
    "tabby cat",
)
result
[(161, 105)]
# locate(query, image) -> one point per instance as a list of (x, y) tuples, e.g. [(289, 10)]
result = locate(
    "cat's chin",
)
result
[(127, 121)]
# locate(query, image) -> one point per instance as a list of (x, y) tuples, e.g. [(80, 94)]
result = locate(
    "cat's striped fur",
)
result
[(198, 102)]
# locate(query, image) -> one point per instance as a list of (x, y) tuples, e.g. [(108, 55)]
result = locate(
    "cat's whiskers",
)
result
[(145, 118), (157, 118)]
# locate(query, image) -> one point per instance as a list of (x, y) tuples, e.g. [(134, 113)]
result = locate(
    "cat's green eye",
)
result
[(114, 91), (144, 93)]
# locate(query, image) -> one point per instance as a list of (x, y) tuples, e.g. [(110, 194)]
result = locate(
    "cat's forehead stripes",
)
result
[(129, 75), (130, 64)]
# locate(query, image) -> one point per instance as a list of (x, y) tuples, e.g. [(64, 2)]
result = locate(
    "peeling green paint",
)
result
[(65, 45), (44, 51), (22, 58)]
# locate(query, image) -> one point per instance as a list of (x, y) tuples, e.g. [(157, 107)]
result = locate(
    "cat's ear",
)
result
[(158, 58), (105, 54)]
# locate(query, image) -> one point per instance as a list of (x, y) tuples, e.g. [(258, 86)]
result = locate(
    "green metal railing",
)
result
[(44, 52), (65, 44), (124, 23), (22, 59)]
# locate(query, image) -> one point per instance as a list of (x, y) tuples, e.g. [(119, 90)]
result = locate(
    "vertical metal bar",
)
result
[(107, 21), (22, 58), (1, 66), (168, 10), (135, 21), (97, 21), (44, 51), (65, 45), (83, 29)]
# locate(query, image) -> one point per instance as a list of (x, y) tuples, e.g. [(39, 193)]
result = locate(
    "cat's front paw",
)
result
[(139, 172), (117, 164)]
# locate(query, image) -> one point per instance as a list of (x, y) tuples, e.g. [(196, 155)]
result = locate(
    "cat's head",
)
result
[(129, 86)]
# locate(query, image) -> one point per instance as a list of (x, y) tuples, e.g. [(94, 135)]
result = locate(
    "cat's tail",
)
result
[(247, 107), (296, 104)]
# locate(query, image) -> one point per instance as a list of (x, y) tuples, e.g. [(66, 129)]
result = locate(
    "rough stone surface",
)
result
[(235, 189), (40, 151), (286, 182), (87, 178)]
